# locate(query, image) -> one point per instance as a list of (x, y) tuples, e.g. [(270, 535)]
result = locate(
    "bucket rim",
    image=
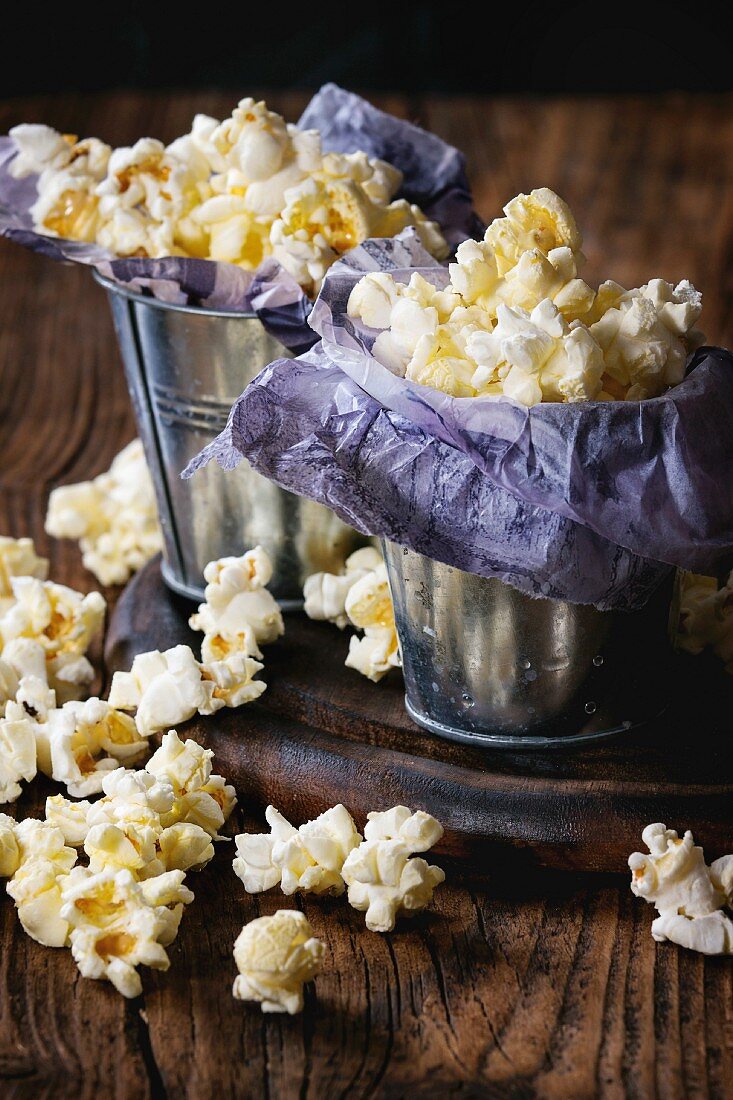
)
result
[(113, 287)]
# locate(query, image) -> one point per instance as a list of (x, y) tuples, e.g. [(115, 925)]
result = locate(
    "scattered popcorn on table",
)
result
[(360, 597), (9, 850), (689, 896), (239, 614), (706, 617), (17, 752), (240, 190), (113, 928), (385, 882), (45, 860), (113, 517), (308, 859), (328, 853), (18, 558), (419, 831), (80, 742), (124, 908), (325, 593), (515, 319), (166, 689), (275, 956), (368, 605), (382, 878)]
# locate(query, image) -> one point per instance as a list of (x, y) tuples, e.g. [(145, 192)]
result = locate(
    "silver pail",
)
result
[(485, 664), (185, 368)]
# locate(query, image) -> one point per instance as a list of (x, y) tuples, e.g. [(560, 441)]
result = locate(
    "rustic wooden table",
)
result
[(511, 986)]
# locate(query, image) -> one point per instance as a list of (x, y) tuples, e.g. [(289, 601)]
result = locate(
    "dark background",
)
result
[(597, 46)]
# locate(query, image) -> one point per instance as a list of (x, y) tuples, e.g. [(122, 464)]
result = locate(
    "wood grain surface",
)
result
[(514, 984)]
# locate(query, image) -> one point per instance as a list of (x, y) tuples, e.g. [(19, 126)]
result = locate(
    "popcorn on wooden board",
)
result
[(368, 605), (325, 593), (239, 614), (275, 957)]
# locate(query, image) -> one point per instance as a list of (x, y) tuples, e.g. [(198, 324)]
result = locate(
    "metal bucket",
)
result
[(485, 664), (185, 368)]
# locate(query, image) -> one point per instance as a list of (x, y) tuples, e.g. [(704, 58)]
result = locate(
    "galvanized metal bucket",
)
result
[(485, 664), (185, 368)]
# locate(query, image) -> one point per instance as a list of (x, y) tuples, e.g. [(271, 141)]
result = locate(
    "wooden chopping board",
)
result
[(323, 734)]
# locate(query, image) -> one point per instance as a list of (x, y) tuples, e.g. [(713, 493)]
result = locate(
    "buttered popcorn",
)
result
[(516, 320), (113, 517), (238, 191), (106, 877), (359, 597), (275, 956)]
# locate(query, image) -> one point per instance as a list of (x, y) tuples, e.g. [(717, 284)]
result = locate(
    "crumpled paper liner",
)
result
[(591, 502), (435, 178)]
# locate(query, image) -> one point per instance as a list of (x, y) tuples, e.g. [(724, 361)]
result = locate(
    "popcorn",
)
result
[(185, 847), (536, 356), (114, 517), (125, 907), (239, 614), (8, 684), (419, 831), (711, 934), (39, 148), (275, 956), (17, 752), (80, 742), (706, 617), (63, 621), (688, 895), (646, 337), (254, 140), (369, 607), (516, 320), (9, 850), (208, 806), (164, 689), (233, 681), (70, 817), (67, 207), (110, 847), (325, 593), (540, 220), (44, 863), (18, 558), (674, 876), (184, 764), (237, 191), (385, 882), (36, 890), (113, 928), (308, 859)]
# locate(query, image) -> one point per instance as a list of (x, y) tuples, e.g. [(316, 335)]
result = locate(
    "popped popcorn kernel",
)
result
[(275, 957)]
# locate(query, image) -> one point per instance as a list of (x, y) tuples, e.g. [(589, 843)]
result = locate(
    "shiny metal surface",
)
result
[(185, 367), (484, 663)]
